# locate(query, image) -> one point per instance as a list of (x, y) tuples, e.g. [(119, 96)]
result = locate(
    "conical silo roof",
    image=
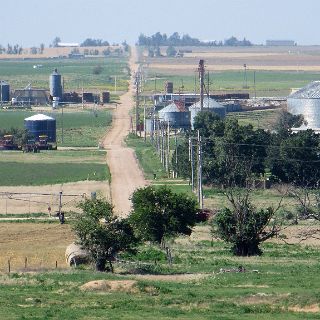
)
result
[(310, 91), (208, 103)]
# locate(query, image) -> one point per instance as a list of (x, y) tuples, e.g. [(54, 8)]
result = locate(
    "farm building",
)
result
[(208, 105), (30, 96), (279, 43), (306, 101), (176, 114), (4, 91)]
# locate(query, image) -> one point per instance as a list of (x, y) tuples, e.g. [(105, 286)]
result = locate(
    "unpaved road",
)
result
[(126, 176)]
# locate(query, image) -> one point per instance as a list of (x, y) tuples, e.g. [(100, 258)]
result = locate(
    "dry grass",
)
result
[(42, 244)]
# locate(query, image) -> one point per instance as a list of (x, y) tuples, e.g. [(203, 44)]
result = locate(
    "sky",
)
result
[(31, 22)]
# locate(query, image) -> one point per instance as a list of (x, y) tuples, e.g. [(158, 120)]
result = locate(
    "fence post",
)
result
[(9, 266), (25, 262), (56, 264)]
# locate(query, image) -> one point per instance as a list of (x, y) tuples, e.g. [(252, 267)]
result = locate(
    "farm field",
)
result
[(277, 70), (76, 73), (280, 284), (81, 128)]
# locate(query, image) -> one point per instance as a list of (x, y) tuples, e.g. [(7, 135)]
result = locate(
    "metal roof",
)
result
[(208, 103), (39, 117), (3, 83), (173, 107), (311, 91)]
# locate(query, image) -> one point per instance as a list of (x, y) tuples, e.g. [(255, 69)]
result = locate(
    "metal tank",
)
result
[(41, 124), (55, 85), (169, 87), (306, 101), (176, 114), (4, 91), (208, 105)]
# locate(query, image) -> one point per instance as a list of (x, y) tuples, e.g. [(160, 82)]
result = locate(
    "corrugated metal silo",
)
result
[(306, 101), (41, 124), (176, 114), (208, 105), (4, 91), (55, 85)]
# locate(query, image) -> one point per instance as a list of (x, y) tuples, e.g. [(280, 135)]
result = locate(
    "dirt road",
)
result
[(126, 175)]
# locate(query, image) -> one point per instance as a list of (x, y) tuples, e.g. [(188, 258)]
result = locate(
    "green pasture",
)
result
[(76, 73), (79, 128), (277, 285), (51, 167), (267, 83)]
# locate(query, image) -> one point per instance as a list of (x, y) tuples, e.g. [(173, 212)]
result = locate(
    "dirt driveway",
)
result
[(126, 175)]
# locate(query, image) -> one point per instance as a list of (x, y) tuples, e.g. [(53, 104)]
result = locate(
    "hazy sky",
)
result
[(30, 22)]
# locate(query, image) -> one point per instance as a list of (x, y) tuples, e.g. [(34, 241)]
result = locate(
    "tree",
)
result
[(244, 226), (160, 213), (296, 160), (41, 48), (286, 121), (56, 41), (97, 69), (171, 51), (102, 234)]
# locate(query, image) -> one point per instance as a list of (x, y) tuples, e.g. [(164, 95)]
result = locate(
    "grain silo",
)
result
[(208, 105), (56, 85), (176, 114), (306, 101), (4, 91), (41, 124)]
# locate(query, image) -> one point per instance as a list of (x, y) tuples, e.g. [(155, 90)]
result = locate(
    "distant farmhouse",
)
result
[(285, 43)]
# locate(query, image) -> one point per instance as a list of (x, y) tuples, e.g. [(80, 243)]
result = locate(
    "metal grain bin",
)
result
[(55, 85), (306, 101), (176, 114), (208, 105), (41, 124), (169, 87), (4, 91)]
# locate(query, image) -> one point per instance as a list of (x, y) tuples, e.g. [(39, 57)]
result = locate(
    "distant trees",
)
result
[(55, 42), (11, 49), (176, 39), (171, 51), (94, 43)]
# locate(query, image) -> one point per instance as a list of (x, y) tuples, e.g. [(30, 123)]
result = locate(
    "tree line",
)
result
[(233, 153), (176, 39)]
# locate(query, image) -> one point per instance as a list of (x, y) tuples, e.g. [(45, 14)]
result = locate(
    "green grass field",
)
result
[(80, 128), (268, 83), (281, 284), (52, 167), (77, 73)]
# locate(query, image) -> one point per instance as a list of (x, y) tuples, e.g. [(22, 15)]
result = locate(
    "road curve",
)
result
[(126, 175)]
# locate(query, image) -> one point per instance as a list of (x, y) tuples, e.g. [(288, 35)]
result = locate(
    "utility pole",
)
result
[(176, 152), (137, 82), (62, 133), (200, 192), (201, 78), (168, 148), (254, 84), (191, 160), (60, 203), (144, 121)]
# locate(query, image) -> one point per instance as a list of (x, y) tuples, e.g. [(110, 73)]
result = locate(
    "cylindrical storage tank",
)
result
[(309, 108), (177, 116), (169, 87), (105, 97), (4, 91), (208, 105), (41, 124), (55, 85)]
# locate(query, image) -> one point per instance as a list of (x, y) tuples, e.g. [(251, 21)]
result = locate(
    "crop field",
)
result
[(276, 70), (76, 73), (81, 128), (200, 284)]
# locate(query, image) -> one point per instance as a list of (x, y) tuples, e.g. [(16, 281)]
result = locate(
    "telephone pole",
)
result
[(201, 78), (200, 191), (137, 83), (191, 159)]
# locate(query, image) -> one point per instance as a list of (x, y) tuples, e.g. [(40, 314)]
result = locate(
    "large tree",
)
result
[(101, 233), (159, 213), (243, 225)]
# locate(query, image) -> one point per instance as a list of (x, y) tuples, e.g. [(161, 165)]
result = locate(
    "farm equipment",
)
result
[(40, 144), (7, 143)]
